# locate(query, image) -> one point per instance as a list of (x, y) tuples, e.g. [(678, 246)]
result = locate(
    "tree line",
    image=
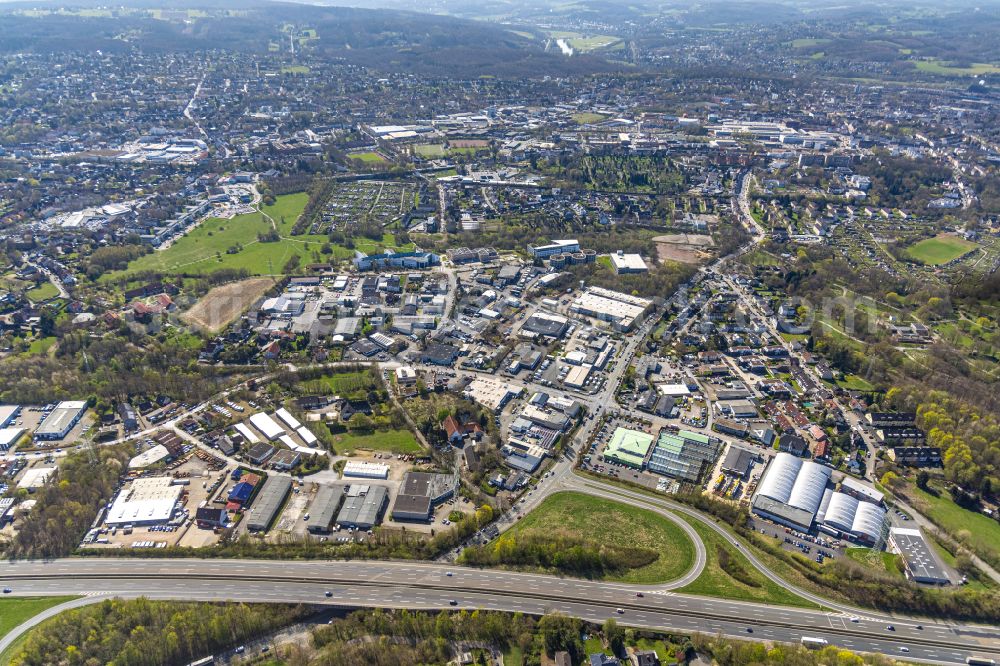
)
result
[(561, 553), (142, 632)]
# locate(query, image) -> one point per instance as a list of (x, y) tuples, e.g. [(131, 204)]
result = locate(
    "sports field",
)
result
[(940, 250)]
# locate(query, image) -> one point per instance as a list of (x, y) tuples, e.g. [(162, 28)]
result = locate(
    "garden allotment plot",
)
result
[(373, 201)]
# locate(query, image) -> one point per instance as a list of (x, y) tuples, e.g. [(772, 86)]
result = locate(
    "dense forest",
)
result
[(142, 632)]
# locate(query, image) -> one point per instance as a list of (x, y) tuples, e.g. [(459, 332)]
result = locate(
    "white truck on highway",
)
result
[(814, 643)]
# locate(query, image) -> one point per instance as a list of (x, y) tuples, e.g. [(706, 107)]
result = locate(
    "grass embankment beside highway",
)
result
[(735, 578), (15, 611), (589, 525)]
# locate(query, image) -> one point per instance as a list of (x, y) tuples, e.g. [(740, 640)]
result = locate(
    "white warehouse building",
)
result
[(791, 491)]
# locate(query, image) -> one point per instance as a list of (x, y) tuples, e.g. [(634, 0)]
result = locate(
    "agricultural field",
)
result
[(940, 250), (606, 521), (584, 43), (947, 69), (224, 304)]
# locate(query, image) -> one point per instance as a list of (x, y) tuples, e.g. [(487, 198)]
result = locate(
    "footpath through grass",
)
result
[(717, 582), (609, 522)]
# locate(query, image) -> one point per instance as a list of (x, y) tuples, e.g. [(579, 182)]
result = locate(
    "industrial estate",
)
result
[(651, 336)]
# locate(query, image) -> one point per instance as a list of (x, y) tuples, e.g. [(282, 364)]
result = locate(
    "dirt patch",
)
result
[(468, 143), (685, 248), (223, 305)]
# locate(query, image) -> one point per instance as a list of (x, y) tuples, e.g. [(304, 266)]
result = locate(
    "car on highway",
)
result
[(620, 611), (639, 594), (903, 648), (328, 593), (7, 590), (452, 603), (449, 574), (889, 627)]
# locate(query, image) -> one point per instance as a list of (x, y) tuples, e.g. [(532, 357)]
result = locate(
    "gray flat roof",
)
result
[(920, 558), (362, 505), (783, 512), (268, 501), (411, 506), (324, 507)]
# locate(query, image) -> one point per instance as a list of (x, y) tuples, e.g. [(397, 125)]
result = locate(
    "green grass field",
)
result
[(586, 118), (943, 67), (342, 383), (855, 383), (715, 582), (429, 151), (204, 249), (16, 610), (881, 561), (807, 43), (295, 69), (394, 441), (367, 158), (940, 249), (42, 292), (41, 345), (605, 521), (979, 532)]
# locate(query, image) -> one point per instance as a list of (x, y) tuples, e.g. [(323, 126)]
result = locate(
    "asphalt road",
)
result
[(428, 586)]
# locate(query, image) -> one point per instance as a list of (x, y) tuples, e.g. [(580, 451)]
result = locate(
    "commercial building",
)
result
[(324, 508), (145, 501), (267, 426), (286, 417), (683, 455), (9, 437), (269, 500), (627, 263), (621, 310), (555, 247), (8, 413), (61, 420), (249, 435), (366, 470), (578, 376), (791, 491), (856, 519), (420, 492), (628, 447), (36, 477), (491, 393), (363, 506), (546, 324), (738, 461), (921, 562)]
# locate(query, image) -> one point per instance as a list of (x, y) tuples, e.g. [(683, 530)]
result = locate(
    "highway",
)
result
[(428, 586)]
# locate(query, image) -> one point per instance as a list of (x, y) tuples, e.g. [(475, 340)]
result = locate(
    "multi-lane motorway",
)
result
[(432, 586)]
